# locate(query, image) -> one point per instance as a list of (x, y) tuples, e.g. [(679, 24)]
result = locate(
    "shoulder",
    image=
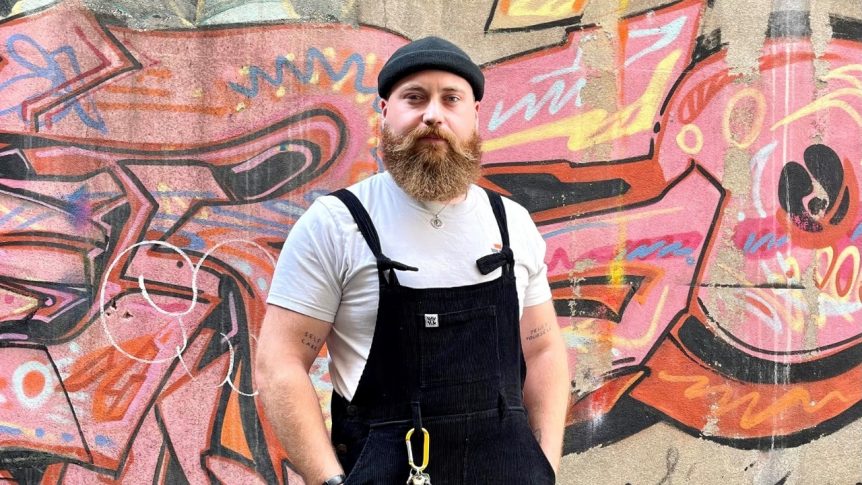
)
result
[(516, 214), (371, 187), (516, 211), (522, 229), (329, 206), (366, 190)]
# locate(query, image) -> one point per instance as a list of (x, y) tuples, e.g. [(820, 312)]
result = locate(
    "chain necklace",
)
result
[(436, 222)]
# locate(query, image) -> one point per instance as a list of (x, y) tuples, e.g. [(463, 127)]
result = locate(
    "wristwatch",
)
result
[(336, 480)]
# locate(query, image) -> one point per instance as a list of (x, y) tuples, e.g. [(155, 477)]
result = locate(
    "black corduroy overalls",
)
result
[(448, 360)]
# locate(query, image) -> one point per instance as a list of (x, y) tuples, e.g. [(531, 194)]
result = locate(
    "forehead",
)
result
[(433, 79)]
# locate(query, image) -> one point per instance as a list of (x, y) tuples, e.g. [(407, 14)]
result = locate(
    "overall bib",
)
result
[(448, 360)]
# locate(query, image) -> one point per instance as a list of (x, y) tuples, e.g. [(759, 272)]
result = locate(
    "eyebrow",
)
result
[(448, 89)]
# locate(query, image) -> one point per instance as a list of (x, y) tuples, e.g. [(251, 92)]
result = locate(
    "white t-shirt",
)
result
[(327, 271)]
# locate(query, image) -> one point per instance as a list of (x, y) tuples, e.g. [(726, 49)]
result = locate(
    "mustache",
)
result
[(408, 142), (422, 131)]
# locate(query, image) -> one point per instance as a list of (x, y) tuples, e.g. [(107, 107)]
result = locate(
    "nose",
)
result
[(432, 115)]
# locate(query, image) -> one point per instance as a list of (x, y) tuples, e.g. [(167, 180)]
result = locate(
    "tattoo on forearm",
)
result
[(312, 341), (539, 332)]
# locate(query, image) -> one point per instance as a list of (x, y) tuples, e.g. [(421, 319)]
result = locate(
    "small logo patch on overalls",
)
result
[(432, 320)]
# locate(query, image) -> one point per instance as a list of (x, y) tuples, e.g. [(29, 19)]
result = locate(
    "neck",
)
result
[(438, 205), (456, 200)]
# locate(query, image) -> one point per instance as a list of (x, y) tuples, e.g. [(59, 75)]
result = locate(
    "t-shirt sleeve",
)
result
[(307, 276), (538, 290)]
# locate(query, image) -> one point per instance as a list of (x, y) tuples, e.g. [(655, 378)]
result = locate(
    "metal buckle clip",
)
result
[(426, 449)]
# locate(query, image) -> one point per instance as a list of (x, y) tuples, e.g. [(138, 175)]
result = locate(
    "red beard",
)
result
[(431, 171)]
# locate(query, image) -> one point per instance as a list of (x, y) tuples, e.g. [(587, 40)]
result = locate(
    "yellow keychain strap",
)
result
[(426, 449)]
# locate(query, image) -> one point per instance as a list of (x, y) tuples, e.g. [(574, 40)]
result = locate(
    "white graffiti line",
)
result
[(226, 379), (829, 306), (556, 97), (792, 300), (789, 297), (230, 369), (58, 419), (669, 33), (74, 347), (575, 67), (757, 164), (80, 396), (195, 269), (232, 241), (63, 364), (47, 384), (772, 321), (786, 265), (149, 301)]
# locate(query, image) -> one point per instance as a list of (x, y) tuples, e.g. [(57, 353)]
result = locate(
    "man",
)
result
[(431, 295)]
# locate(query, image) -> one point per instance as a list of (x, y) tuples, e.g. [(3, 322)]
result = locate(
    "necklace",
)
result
[(436, 222)]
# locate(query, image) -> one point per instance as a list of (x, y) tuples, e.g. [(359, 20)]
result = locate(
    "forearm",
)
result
[(293, 409), (546, 397)]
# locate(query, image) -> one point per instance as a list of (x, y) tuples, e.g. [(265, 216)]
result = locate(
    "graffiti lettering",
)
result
[(553, 97), (702, 224), (313, 58), (50, 69), (669, 33)]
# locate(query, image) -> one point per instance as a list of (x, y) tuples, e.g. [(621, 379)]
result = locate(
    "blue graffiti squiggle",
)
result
[(753, 244), (52, 71), (312, 56), (662, 249)]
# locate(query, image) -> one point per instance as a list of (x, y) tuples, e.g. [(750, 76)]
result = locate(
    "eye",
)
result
[(413, 97), (453, 98)]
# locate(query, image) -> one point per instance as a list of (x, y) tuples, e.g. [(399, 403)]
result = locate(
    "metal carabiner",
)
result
[(426, 449)]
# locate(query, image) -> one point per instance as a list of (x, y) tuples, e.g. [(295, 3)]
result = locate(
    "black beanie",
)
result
[(425, 54)]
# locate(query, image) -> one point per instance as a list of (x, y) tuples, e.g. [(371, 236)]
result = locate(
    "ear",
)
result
[(477, 116), (383, 105)]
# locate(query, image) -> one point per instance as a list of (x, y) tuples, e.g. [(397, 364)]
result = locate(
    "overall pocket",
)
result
[(383, 458), (458, 347)]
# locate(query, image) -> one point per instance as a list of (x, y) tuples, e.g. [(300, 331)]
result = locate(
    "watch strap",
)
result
[(336, 480)]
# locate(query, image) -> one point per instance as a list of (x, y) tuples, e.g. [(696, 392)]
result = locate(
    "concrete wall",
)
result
[(691, 164)]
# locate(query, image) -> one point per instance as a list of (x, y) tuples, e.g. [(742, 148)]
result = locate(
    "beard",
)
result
[(431, 171)]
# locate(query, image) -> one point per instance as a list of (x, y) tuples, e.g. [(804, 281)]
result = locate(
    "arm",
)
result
[(288, 344), (546, 390)]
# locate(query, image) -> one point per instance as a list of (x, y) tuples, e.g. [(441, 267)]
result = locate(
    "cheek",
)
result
[(398, 126), (464, 128)]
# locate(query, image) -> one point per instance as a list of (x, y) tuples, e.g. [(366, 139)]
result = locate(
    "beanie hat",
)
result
[(425, 54)]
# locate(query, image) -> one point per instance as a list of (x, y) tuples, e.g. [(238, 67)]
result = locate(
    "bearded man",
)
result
[(432, 296)]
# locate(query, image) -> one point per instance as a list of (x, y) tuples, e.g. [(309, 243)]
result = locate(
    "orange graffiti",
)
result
[(232, 433), (33, 383), (138, 90), (170, 108), (119, 378), (603, 399), (796, 396)]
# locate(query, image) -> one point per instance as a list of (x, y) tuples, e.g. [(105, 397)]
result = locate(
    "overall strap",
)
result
[(505, 258), (366, 228)]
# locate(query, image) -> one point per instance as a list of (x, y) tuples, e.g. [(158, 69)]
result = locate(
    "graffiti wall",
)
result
[(692, 166)]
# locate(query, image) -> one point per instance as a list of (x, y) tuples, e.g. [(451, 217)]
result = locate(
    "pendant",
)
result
[(436, 223)]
